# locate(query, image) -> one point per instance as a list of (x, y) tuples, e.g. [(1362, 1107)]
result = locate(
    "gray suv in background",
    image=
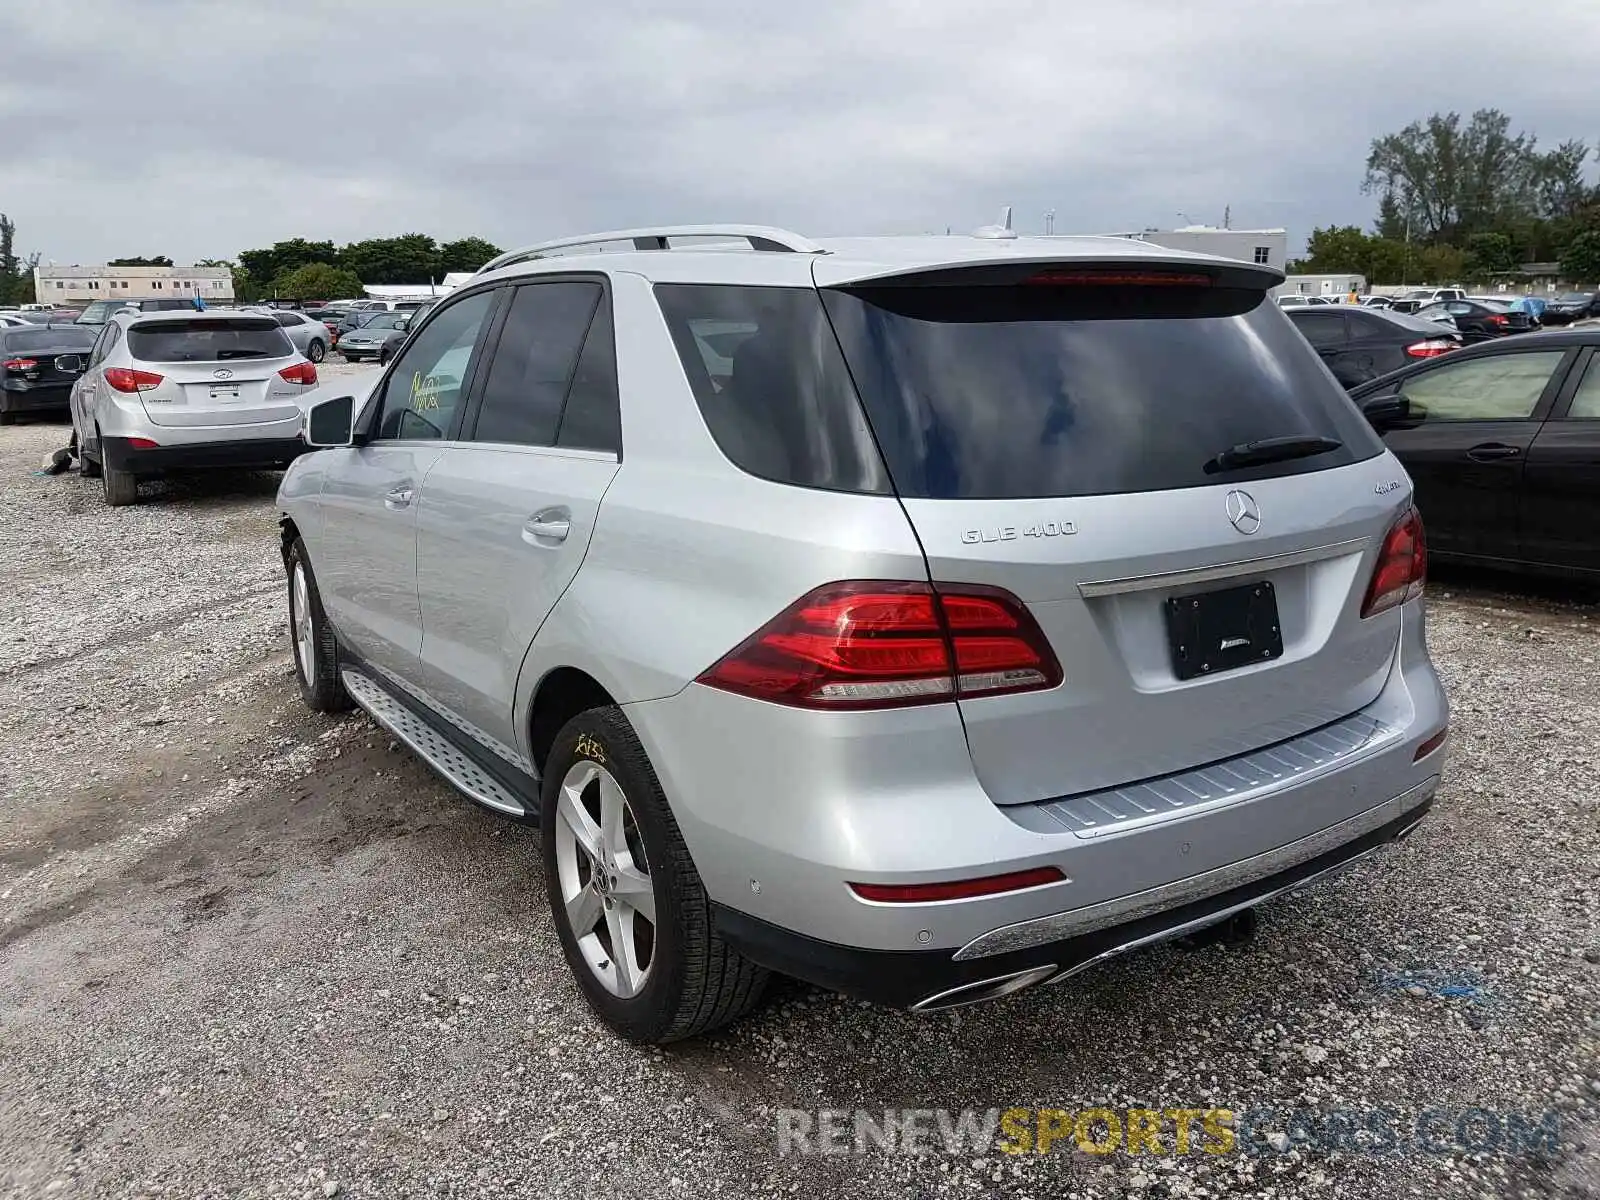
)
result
[(926, 618)]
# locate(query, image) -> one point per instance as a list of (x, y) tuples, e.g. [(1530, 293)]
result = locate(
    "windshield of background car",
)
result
[(62, 337), (1008, 392), (99, 311), (387, 320), (208, 341)]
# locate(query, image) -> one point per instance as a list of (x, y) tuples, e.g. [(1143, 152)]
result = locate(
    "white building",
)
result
[(1333, 286), (1267, 247), (78, 285)]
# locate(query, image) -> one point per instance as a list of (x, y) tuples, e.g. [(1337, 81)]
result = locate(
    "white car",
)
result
[(167, 390)]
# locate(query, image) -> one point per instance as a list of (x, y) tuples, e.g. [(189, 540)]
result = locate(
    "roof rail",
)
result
[(760, 237)]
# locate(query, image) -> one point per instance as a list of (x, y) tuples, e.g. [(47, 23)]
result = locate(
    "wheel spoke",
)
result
[(633, 889), (612, 806), (619, 925), (583, 911), (571, 811)]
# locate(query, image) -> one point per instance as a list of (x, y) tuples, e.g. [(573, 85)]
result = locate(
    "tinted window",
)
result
[(1500, 387), (533, 363), (287, 319), (208, 340), (386, 320), (68, 338), (424, 388), (591, 419), (1011, 392), (98, 312), (771, 385), (1321, 329), (1586, 401)]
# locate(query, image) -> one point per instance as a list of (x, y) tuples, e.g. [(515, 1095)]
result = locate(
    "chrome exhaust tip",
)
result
[(980, 990)]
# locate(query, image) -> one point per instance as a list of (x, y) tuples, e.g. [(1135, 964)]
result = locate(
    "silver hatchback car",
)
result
[(926, 618), (167, 390)]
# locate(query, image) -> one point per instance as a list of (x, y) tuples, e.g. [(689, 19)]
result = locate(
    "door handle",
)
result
[(1492, 452), (399, 497), (548, 525)]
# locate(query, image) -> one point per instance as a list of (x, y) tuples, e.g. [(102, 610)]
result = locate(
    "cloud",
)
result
[(198, 129)]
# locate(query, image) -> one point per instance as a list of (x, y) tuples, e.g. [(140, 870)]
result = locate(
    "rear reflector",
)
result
[(1402, 567), (124, 380), (882, 644), (21, 364), (1431, 348), (1119, 279), (959, 889), (1432, 744), (143, 444), (302, 373)]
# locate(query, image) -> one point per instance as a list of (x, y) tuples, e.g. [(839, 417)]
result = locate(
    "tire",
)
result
[(383, 358), (87, 467), (7, 418), (691, 982), (122, 487), (311, 638), (316, 352)]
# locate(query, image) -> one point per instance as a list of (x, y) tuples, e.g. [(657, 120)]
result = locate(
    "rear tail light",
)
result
[(956, 889), (302, 372), (1402, 568), (1496, 319), (1431, 348), (21, 364), (877, 644), (124, 380)]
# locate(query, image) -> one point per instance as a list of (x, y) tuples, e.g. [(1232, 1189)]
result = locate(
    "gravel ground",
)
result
[(250, 952)]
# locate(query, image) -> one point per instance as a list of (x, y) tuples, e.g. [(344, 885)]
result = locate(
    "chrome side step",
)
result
[(460, 771)]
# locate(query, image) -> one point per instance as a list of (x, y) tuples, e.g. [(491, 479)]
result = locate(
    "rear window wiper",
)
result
[(1270, 450)]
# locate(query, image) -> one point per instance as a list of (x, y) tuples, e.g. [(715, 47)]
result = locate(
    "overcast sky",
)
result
[(197, 128)]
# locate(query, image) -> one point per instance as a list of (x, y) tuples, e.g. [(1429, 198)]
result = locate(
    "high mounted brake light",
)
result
[(1118, 279)]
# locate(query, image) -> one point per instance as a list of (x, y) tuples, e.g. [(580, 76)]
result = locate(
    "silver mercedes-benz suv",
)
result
[(927, 618)]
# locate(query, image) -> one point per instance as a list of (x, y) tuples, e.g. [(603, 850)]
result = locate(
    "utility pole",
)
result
[(1049, 221), (1227, 216)]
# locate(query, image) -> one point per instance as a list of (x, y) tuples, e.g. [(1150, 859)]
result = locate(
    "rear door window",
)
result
[(1321, 329), (212, 340), (1011, 392), (1498, 387), (771, 384), (534, 361)]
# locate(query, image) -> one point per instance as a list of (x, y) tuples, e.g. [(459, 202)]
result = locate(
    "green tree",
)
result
[(317, 281), (467, 254), (410, 258), (1391, 223), (161, 260), (1580, 261), (1491, 254), (282, 257), (1460, 179)]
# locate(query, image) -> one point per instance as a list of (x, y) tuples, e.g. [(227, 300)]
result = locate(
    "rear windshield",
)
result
[(1400, 321), (212, 340), (1009, 392), (62, 337)]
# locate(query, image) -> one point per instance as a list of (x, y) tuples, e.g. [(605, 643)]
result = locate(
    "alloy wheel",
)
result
[(305, 649)]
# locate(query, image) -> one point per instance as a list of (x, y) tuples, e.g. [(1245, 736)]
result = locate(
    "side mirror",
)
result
[(69, 362), (1386, 412), (403, 324), (330, 422)]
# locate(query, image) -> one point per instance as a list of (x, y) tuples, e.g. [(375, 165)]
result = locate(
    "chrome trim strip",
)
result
[(1243, 566), (991, 989), (1221, 914), (1039, 931)]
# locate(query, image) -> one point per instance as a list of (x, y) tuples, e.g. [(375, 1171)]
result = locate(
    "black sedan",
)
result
[(1502, 441), (1360, 344), (1478, 320), (1572, 306), (40, 365)]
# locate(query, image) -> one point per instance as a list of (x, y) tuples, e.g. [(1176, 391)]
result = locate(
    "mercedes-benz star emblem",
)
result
[(1244, 512), (222, 374)]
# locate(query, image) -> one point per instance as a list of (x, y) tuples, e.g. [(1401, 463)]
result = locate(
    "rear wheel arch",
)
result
[(561, 695)]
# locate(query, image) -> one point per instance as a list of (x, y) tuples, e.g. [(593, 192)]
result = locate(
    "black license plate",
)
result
[(1224, 630)]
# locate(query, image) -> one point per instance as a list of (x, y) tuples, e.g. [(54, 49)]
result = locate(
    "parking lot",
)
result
[(247, 951)]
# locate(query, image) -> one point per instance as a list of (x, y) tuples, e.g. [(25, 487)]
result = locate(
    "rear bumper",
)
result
[(935, 979), (782, 810), (19, 396), (118, 454)]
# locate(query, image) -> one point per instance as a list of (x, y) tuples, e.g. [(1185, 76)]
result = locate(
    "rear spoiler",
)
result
[(1154, 269)]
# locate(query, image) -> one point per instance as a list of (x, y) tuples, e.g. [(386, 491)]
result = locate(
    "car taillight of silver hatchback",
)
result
[(863, 644)]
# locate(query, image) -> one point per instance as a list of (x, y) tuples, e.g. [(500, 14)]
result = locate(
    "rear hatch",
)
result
[(46, 358), (215, 370), (1064, 433)]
